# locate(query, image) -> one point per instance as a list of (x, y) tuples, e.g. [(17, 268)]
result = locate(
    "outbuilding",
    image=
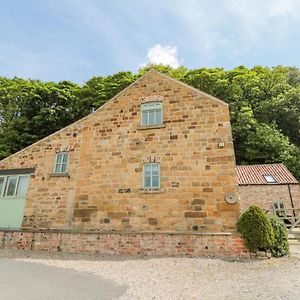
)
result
[(268, 186)]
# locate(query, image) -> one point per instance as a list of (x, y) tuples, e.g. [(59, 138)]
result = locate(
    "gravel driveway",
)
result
[(180, 278)]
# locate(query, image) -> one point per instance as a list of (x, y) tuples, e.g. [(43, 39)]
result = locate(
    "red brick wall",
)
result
[(152, 244), (265, 195)]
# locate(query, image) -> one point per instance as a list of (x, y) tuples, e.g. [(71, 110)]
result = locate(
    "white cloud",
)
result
[(165, 55)]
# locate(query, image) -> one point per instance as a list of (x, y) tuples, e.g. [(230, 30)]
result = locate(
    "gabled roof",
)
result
[(199, 92), (151, 71), (255, 174)]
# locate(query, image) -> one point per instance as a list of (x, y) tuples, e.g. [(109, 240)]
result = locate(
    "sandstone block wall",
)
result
[(265, 195), (103, 188)]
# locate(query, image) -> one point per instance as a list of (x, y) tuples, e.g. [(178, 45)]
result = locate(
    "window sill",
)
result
[(60, 175), (152, 127), (151, 191)]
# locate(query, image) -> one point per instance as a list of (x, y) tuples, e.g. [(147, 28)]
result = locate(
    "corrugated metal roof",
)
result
[(255, 174)]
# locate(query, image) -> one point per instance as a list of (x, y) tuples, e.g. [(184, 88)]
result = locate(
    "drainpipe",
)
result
[(292, 203)]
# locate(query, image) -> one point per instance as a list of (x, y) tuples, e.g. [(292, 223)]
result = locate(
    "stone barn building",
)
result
[(267, 186), (157, 158)]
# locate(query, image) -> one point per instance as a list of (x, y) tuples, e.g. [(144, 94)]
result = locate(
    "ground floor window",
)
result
[(13, 186), (151, 175)]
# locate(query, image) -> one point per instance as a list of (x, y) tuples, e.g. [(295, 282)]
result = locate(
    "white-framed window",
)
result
[(279, 209), (13, 186), (2, 184), (61, 162), (270, 179), (151, 114), (151, 176)]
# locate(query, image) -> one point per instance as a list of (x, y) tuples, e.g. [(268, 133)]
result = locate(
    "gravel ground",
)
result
[(183, 278)]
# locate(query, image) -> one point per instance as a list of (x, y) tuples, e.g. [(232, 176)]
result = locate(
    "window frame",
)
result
[(3, 185), (61, 163), (279, 208), (269, 177), (3, 191), (146, 108), (151, 187)]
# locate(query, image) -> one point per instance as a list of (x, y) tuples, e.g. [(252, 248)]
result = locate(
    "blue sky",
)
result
[(53, 40)]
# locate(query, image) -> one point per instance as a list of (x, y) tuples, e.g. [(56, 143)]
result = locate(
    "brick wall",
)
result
[(151, 244), (265, 195), (107, 151)]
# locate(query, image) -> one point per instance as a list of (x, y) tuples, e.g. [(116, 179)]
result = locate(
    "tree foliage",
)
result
[(256, 229), (281, 243), (264, 104)]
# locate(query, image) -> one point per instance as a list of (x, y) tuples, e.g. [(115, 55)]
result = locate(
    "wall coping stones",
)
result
[(123, 232)]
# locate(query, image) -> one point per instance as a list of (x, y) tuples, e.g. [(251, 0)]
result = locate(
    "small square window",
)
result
[(151, 114), (61, 162), (270, 179), (151, 174)]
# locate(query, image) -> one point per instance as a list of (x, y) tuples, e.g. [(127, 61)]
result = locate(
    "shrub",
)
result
[(281, 244), (256, 229)]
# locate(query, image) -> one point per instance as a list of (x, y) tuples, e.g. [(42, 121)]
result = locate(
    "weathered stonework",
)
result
[(103, 187), (158, 244)]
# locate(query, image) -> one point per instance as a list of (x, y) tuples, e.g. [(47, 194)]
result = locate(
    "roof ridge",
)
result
[(188, 86)]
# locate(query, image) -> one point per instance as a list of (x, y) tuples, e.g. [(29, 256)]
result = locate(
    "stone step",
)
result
[(294, 235), (294, 242), (293, 239)]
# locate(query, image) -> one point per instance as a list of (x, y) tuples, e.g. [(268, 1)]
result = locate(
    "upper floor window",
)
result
[(61, 162), (152, 114), (151, 174), (270, 179)]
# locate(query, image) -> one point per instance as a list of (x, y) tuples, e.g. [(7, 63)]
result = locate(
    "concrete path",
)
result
[(21, 280)]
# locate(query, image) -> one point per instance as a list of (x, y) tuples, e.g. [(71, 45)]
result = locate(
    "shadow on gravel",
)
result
[(22, 280)]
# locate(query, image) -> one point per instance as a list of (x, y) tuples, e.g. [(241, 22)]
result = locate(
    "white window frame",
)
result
[(61, 163), (279, 208), (3, 191), (147, 108), (270, 179), (3, 186), (151, 165)]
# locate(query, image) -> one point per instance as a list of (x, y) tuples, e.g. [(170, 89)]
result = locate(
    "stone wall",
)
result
[(150, 244), (265, 195), (103, 188)]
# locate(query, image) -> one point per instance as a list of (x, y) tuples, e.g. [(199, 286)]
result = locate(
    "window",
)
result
[(14, 186), (22, 186), (61, 162), (151, 176), (11, 186), (279, 209), (2, 180), (270, 179), (151, 114)]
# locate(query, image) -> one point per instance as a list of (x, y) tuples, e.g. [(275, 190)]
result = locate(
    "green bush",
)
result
[(256, 229), (281, 244)]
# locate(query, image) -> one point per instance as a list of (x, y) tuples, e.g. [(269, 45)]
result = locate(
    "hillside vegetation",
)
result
[(264, 104)]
